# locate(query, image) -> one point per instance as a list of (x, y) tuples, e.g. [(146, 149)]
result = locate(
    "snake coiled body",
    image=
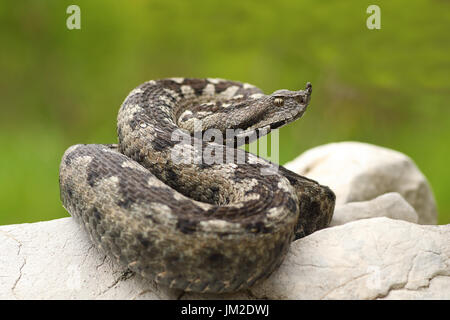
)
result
[(195, 224)]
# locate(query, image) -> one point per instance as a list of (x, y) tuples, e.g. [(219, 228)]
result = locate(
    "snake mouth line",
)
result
[(260, 132), (277, 125), (253, 134)]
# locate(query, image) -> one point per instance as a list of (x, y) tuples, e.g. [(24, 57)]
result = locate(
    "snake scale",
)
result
[(198, 226)]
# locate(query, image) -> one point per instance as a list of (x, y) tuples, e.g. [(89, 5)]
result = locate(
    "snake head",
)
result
[(288, 106), (280, 108), (273, 111)]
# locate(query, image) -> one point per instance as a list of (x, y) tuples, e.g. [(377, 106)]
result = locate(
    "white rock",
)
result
[(56, 260), (391, 205), (359, 172), (365, 259)]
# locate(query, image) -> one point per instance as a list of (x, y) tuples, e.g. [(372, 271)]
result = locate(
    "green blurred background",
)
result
[(60, 87)]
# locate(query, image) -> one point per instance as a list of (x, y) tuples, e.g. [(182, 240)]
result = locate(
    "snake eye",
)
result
[(278, 102)]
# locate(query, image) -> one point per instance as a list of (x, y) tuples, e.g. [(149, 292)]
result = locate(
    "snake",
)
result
[(179, 201)]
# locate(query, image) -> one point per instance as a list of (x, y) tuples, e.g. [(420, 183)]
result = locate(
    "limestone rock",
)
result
[(364, 259), (359, 172), (56, 260), (390, 205)]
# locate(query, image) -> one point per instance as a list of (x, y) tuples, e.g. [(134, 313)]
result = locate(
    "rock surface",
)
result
[(391, 205), (359, 172), (366, 259), (56, 260)]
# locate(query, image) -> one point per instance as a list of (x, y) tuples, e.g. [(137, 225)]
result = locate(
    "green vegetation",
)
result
[(59, 87)]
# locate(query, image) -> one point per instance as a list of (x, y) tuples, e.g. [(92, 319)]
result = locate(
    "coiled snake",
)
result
[(196, 225)]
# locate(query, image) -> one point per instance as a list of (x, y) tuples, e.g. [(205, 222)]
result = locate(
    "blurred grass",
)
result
[(59, 87)]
